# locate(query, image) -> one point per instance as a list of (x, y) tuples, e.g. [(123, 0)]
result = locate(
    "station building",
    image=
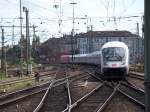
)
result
[(93, 41)]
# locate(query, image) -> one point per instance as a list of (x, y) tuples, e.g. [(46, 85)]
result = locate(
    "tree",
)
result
[(13, 54), (35, 44), (23, 44)]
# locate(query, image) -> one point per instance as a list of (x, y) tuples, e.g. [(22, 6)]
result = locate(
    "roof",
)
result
[(114, 44), (107, 34)]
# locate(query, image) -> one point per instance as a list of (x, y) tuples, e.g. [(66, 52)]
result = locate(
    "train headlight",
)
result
[(105, 63)]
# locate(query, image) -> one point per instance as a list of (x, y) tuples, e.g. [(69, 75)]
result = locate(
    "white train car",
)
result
[(114, 60), (91, 58), (79, 58), (94, 58)]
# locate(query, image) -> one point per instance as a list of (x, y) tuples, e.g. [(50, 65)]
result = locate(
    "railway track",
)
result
[(22, 97), (94, 100), (58, 96), (47, 72), (12, 99), (81, 87), (136, 75), (10, 82), (25, 102), (133, 95), (136, 80), (121, 103), (19, 95), (75, 93), (5, 85), (132, 92), (55, 99)]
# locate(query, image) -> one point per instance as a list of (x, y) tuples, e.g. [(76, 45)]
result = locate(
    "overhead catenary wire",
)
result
[(50, 20)]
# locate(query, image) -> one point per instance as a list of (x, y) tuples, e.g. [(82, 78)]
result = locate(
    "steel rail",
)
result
[(68, 90), (79, 78), (3, 83), (131, 98), (37, 109), (58, 82), (133, 87), (24, 96), (20, 98), (69, 93), (69, 96), (100, 108), (134, 75), (132, 84), (30, 88), (120, 91), (94, 76), (22, 90), (16, 81), (43, 99), (45, 95), (84, 97), (61, 81)]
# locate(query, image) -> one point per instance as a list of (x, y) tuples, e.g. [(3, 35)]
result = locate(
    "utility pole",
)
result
[(3, 57), (20, 18), (27, 39), (90, 39), (12, 35), (34, 36), (34, 31), (138, 41), (143, 27), (34, 42), (137, 28), (21, 47), (72, 37), (3, 64), (147, 54)]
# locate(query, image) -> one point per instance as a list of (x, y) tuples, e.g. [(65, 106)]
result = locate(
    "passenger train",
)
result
[(112, 59)]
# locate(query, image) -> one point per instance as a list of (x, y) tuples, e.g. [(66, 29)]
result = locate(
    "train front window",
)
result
[(113, 54)]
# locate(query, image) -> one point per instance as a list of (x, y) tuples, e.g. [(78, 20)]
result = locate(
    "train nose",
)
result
[(114, 72)]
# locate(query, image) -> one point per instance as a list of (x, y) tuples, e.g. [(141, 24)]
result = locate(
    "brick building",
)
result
[(51, 50)]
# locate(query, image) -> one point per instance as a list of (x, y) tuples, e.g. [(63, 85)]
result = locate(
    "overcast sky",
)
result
[(102, 14)]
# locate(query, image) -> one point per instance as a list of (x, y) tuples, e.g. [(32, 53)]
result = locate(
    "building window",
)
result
[(120, 39)]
